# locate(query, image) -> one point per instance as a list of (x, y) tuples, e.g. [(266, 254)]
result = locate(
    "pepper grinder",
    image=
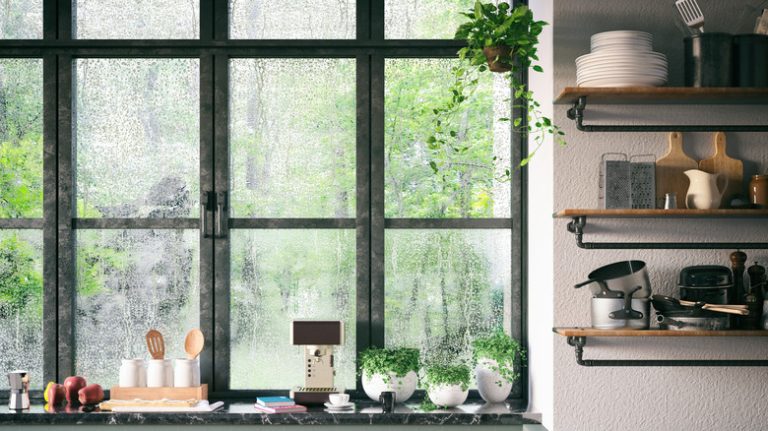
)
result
[(756, 286), (736, 294), (19, 384)]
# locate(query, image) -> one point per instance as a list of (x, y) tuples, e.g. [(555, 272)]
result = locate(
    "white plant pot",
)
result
[(404, 387), (492, 387), (447, 395)]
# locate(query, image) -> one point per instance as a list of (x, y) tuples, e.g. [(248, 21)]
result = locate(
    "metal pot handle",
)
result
[(661, 319), (627, 313)]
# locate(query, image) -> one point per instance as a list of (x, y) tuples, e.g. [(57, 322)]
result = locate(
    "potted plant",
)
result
[(495, 358), (502, 39), (447, 385), (390, 370)]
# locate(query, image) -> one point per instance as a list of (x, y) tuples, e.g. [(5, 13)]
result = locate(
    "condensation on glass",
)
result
[(128, 282), (21, 138), (444, 288), (279, 276), (296, 19), (292, 137), (137, 137), (423, 19), (118, 19), (471, 185), (21, 19), (21, 304)]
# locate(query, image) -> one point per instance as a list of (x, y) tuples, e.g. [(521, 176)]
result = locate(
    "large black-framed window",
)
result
[(211, 61)]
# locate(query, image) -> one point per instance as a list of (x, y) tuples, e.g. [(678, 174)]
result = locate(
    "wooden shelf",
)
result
[(591, 332), (661, 213), (665, 96)]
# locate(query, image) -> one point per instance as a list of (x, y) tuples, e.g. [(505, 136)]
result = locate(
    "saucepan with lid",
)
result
[(621, 277)]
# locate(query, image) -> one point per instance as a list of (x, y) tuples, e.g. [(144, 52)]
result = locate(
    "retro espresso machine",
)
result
[(18, 381), (318, 339)]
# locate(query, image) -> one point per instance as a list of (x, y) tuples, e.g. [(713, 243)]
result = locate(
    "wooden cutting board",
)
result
[(670, 168), (732, 169)]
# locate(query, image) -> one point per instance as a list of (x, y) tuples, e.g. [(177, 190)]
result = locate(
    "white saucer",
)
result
[(346, 406)]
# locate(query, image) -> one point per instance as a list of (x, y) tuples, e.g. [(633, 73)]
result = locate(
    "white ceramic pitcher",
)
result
[(703, 193)]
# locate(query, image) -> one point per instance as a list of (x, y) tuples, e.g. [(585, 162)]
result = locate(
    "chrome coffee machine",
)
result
[(318, 339), (18, 381)]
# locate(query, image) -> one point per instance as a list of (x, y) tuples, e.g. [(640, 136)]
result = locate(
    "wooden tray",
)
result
[(195, 393)]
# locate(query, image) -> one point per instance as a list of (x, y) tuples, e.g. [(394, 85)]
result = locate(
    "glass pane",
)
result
[(156, 19), (21, 304), (21, 138), (137, 137), (423, 19), (444, 288), (129, 281), (468, 186), (292, 138), (284, 275), (21, 19), (297, 19)]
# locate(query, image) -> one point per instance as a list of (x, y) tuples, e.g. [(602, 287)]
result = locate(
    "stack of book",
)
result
[(278, 405)]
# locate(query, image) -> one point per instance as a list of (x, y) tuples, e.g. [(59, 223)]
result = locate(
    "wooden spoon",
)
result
[(194, 343), (155, 344)]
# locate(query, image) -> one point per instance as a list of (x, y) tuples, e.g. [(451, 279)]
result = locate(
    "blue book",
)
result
[(275, 401)]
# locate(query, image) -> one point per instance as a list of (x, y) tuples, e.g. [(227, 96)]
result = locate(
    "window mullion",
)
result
[(377, 200)]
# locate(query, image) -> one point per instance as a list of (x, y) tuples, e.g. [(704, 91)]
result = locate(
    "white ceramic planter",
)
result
[(403, 386), (447, 395), (492, 387)]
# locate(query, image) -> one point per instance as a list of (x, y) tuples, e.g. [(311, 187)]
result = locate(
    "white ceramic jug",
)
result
[(703, 193)]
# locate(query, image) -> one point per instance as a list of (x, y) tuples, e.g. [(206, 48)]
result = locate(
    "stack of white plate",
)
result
[(621, 59)]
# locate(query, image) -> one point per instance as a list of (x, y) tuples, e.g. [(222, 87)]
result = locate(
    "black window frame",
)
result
[(59, 49)]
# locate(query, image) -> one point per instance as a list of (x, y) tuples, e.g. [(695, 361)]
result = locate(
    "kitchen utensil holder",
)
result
[(196, 393)]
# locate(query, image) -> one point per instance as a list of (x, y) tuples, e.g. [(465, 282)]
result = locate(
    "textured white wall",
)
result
[(648, 398)]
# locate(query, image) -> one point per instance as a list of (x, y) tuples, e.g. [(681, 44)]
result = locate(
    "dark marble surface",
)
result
[(240, 412)]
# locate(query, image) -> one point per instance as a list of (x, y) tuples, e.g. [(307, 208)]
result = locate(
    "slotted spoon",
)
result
[(155, 344), (691, 13)]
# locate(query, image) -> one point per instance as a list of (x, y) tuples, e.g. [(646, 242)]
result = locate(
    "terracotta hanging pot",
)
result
[(497, 57)]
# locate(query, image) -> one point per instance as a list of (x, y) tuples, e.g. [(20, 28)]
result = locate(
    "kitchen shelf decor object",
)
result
[(579, 221), (577, 338), (578, 97)]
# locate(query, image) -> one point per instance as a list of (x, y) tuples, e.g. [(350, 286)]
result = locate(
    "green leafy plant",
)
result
[(445, 374), (399, 361), (503, 349), (500, 39)]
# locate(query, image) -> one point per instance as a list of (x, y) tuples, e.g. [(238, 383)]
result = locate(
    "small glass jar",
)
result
[(132, 373), (156, 373), (186, 373), (758, 190)]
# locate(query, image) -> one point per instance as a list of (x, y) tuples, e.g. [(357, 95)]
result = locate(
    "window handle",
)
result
[(206, 206), (221, 206)]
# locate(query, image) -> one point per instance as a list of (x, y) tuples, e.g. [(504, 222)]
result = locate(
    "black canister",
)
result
[(750, 60), (709, 60)]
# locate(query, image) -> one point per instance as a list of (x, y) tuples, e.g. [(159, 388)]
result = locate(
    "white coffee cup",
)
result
[(338, 399)]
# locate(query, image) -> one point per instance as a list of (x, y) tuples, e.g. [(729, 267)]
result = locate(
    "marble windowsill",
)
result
[(238, 412)]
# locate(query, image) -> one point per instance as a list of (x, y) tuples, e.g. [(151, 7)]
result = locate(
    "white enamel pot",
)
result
[(404, 386), (492, 386), (445, 395)]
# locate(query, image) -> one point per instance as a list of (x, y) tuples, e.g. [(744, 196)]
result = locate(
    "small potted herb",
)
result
[(390, 370), (447, 385), (495, 358)]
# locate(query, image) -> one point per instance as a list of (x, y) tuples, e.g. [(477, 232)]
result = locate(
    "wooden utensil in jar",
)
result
[(155, 344), (194, 343)]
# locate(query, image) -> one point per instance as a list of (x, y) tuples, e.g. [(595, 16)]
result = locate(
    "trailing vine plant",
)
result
[(501, 39), (503, 349), (399, 361)]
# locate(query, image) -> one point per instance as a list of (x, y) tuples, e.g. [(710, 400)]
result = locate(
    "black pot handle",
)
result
[(627, 313)]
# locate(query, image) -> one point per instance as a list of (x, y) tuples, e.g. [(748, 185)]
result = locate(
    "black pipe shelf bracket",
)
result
[(576, 113), (578, 343), (577, 224)]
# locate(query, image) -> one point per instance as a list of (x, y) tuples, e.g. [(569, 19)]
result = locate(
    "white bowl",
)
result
[(621, 34)]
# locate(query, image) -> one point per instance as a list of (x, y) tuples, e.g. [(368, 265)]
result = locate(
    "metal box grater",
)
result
[(643, 180), (615, 180)]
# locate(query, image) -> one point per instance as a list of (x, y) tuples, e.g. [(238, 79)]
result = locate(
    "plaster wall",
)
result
[(673, 398)]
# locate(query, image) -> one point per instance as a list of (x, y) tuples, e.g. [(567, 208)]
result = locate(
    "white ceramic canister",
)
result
[(186, 373), (131, 373), (168, 364), (156, 373)]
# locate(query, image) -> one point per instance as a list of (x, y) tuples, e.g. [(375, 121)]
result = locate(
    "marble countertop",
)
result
[(240, 412)]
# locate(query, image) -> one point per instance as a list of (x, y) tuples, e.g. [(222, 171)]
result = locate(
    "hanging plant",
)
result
[(500, 39)]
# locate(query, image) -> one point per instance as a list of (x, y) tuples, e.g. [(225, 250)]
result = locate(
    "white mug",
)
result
[(186, 373), (131, 373), (338, 399), (156, 373)]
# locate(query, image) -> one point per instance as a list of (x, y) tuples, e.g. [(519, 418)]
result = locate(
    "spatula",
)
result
[(194, 343), (691, 13), (155, 344)]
